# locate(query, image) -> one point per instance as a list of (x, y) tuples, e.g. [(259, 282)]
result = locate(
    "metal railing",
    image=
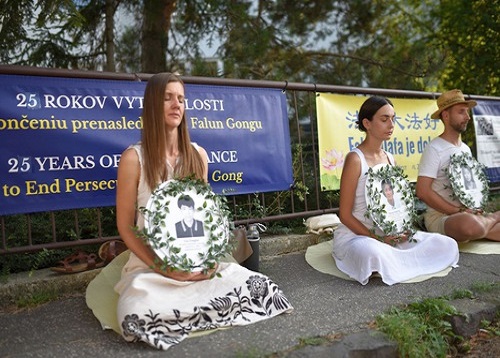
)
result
[(52, 230)]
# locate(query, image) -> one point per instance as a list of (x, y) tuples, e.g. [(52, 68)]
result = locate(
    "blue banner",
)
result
[(61, 139), (486, 117)]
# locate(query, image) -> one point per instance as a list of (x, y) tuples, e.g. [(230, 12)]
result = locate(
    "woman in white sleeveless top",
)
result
[(357, 251), (162, 307)]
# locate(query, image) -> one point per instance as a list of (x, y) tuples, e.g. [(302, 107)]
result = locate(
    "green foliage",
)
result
[(258, 205), (37, 298), (459, 192), (377, 211), (417, 45), (216, 221), (388, 43), (410, 44), (46, 227), (494, 202), (31, 261), (128, 51), (462, 294), (485, 286), (248, 207), (59, 226), (414, 338), (4, 273), (421, 329), (38, 33), (39, 260), (471, 57)]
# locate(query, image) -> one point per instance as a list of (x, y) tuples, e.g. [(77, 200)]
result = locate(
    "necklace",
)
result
[(176, 160)]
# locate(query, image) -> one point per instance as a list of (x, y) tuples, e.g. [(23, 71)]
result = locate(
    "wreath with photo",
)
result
[(468, 181), (201, 250), (397, 216)]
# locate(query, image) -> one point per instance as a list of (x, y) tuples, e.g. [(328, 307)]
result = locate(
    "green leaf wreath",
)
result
[(216, 218), (459, 192), (377, 211)]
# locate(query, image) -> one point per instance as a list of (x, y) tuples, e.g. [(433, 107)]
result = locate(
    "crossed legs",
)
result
[(465, 226)]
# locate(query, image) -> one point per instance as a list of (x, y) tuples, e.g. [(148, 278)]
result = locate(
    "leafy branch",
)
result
[(459, 191), (215, 214), (377, 211)]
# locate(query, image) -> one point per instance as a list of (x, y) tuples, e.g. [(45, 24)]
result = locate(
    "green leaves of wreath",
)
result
[(215, 216), (376, 210), (460, 160)]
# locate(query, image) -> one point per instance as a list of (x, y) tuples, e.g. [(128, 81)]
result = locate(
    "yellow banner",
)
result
[(338, 133)]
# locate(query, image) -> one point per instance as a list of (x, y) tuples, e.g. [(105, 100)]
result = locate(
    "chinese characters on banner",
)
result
[(339, 134), (414, 129)]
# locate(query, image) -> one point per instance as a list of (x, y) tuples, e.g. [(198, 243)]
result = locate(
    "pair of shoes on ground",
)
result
[(81, 261)]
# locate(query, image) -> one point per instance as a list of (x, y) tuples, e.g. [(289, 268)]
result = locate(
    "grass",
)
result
[(422, 329), (37, 299), (482, 287), (491, 328)]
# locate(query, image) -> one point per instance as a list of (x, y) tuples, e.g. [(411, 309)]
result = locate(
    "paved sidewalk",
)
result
[(324, 305)]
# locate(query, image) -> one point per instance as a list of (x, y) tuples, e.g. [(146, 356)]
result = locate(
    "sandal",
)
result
[(110, 249), (78, 262)]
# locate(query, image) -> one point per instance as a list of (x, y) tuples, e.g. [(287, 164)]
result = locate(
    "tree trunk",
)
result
[(110, 36), (155, 27)]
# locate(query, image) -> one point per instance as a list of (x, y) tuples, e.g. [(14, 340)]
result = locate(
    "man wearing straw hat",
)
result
[(444, 214)]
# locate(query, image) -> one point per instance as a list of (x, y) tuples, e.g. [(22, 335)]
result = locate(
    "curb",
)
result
[(23, 285), (27, 284), (364, 344), (372, 343)]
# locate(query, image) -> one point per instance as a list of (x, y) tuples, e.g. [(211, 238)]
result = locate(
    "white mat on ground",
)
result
[(102, 299), (483, 247), (320, 258)]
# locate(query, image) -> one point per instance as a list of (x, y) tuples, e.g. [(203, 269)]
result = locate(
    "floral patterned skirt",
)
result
[(162, 312)]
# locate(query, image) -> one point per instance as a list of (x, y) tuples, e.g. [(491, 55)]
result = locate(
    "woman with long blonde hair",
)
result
[(165, 152), (157, 305)]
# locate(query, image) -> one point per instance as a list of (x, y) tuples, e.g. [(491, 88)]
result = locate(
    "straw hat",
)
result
[(451, 98)]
